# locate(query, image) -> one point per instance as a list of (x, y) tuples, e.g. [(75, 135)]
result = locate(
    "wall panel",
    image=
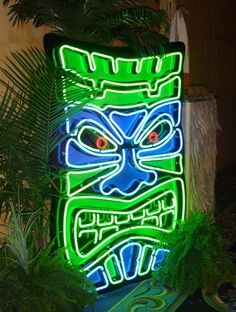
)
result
[(224, 95), (15, 39), (211, 28), (200, 31)]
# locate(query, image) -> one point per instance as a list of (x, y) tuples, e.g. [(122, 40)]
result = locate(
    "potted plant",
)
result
[(136, 23), (197, 257), (38, 279)]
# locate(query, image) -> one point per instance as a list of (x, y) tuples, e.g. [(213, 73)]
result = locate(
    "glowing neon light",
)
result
[(101, 142), (150, 130), (100, 268), (125, 134), (158, 257), (135, 262), (122, 161), (175, 163), (153, 137), (146, 262), (150, 180), (91, 62), (134, 216), (113, 258), (118, 245)]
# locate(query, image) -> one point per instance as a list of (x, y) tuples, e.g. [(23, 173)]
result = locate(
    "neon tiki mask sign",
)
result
[(122, 181)]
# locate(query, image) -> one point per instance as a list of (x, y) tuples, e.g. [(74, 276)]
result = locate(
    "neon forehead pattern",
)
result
[(124, 178), (156, 77)]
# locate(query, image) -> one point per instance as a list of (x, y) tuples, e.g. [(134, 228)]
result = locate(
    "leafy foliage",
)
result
[(95, 21), (33, 277), (31, 114), (43, 280), (197, 256)]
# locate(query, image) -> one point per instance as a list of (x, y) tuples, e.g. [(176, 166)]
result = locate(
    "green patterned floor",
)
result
[(141, 297)]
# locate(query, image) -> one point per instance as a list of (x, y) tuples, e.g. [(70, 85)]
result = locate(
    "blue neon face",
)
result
[(125, 138)]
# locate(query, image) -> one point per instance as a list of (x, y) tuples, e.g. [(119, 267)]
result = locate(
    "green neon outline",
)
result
[(153, 127), (140, 273), (166, 213), (113, 226), (115, 68), (133, 211), (78, 199), (145, 89), (115, 61), (119, 269), (110, 238), (132, 238), (128, 202), (87, 232), (83, 128), (137, 90), (180, 172), (150, 218), (99, 178)]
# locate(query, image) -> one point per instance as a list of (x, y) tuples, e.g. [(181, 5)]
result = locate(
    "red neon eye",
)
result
[(153, 137), (101, 142)]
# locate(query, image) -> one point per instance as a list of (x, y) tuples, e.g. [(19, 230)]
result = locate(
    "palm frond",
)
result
[(83, 20), (31, 115)]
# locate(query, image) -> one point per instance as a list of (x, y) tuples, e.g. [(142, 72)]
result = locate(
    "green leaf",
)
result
[(31, 114), (197, 250), (94, 21)]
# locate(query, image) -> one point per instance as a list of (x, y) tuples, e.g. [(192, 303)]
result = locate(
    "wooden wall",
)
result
[(212, 38)]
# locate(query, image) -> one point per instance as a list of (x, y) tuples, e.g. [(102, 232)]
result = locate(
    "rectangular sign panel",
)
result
[(122, 175)]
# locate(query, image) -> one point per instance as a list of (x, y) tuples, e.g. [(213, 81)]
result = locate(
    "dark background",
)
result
[(211, 26)]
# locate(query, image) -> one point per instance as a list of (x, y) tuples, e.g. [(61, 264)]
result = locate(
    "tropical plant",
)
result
[(32, 111), (33, 277), (38, 279), (130, 21), (31, 114), (197, 256)]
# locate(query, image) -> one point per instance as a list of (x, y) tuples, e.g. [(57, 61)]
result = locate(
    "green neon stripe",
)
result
[(78, 181), (149, 77), (173, 164)]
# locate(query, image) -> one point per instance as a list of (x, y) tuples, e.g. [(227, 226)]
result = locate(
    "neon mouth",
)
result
[(96, 228)]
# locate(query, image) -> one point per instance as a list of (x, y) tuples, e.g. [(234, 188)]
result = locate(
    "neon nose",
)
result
[(129, 178)]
